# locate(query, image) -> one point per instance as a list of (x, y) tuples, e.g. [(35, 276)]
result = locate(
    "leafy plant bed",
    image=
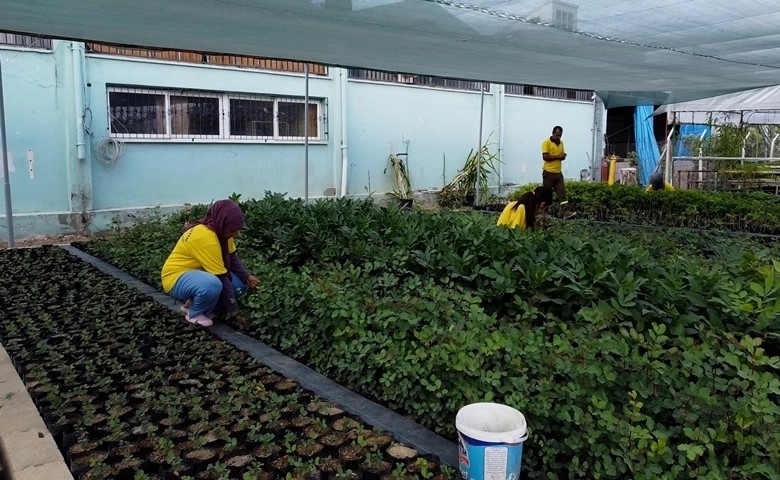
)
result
[(131, 391), (633, 352), (735, 211)]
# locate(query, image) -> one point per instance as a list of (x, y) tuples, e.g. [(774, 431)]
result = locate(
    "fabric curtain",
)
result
[(646, 146)]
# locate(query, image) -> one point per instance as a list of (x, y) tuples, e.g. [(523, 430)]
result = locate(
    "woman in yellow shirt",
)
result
[(203, 266), (657, 183), (522, 212)]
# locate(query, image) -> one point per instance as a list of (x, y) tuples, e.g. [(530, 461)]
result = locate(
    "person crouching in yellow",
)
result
[(522, 212), (657, 183)]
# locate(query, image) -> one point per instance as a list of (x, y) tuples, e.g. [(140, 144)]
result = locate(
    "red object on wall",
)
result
[(605, 170)]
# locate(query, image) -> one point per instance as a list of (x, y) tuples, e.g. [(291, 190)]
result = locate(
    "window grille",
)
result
[(169, 114), (420, 80), (32, 41), (549, 92), (206, 58)]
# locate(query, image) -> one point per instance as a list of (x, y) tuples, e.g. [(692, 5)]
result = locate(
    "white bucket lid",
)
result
[(491, 422)]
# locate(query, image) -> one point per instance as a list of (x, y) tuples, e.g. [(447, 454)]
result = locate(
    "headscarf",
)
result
[(531, 200), (223, 217), (657, 181)]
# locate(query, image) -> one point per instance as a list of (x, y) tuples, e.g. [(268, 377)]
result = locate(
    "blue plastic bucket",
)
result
[(490, 441)]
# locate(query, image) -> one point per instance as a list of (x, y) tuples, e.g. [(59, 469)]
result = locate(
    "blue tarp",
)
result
[(687, 130), (646, 146)]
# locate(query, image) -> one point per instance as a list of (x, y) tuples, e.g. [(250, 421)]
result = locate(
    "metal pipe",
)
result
[(9, 212), (77, 52), (772, 147), (306, 130), (743, 146), (668, 169), (747, 159), (344, 152), (701, 152), (477, 198), (501, 97)]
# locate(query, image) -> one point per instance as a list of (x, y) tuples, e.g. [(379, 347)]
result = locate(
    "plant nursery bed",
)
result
[(633, 351), (131, 391)]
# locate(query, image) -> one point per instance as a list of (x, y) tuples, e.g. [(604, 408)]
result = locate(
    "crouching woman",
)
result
[(522, 212), (204, 271)]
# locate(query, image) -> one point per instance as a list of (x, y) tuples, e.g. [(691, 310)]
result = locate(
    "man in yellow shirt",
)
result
[(657, 183), (553, 153), (203, 266)]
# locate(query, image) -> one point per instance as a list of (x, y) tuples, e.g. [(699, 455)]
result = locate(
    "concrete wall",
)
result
[(440, 126), (52, 96), (37, 94), (162, 172), (529, 120)]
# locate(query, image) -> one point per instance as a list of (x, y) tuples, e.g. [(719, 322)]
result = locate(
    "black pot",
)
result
[(469, 200), (406, 203)]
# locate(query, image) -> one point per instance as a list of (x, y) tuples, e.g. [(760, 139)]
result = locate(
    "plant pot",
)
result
[(309, 450), (329, 468), (333, 440), (80, 464), (281, 465), (238, 463), (267, 452), (300, 423), (200, 458), (406, 203), (374, 471), (468, 201), (351, 456)]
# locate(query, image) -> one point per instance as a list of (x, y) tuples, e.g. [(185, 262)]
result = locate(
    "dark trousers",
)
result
[(555, 181)]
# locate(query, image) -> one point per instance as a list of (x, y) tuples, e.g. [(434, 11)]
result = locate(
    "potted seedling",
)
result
[(374, 466)]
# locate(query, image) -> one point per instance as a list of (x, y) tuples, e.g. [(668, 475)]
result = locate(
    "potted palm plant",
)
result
[(402, 187), (474, 175)]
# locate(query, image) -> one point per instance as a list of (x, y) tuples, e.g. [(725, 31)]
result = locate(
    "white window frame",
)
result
[(192, 93), (224, 117)]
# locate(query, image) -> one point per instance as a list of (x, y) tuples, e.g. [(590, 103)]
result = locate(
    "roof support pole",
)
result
[(701, 162), (668, 172), (477, 199), (306, 130), (9, 212)]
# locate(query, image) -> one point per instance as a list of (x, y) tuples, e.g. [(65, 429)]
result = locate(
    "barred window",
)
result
[(169, 114), (420, 80), (251, 118), (136, 113), (549, 92), (30, 41), (194, 116)]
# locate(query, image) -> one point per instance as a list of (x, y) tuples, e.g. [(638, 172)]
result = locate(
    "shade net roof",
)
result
[(630, 51), (760, 106)]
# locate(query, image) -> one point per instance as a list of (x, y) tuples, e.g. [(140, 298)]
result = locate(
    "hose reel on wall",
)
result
[(109, 151)]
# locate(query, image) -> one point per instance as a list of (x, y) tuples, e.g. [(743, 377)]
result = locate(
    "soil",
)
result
[(308, 450), (203, 454), (96, 386), (344, 424), (239, 461), (38, 240), (401, 452), (378, 440)]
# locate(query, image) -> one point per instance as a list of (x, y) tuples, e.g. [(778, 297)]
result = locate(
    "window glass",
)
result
[(254, 118), (194, 116), (291, 119), (137, 113)]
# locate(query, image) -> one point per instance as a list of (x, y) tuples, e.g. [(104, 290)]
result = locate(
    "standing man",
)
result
[(553, 154)]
